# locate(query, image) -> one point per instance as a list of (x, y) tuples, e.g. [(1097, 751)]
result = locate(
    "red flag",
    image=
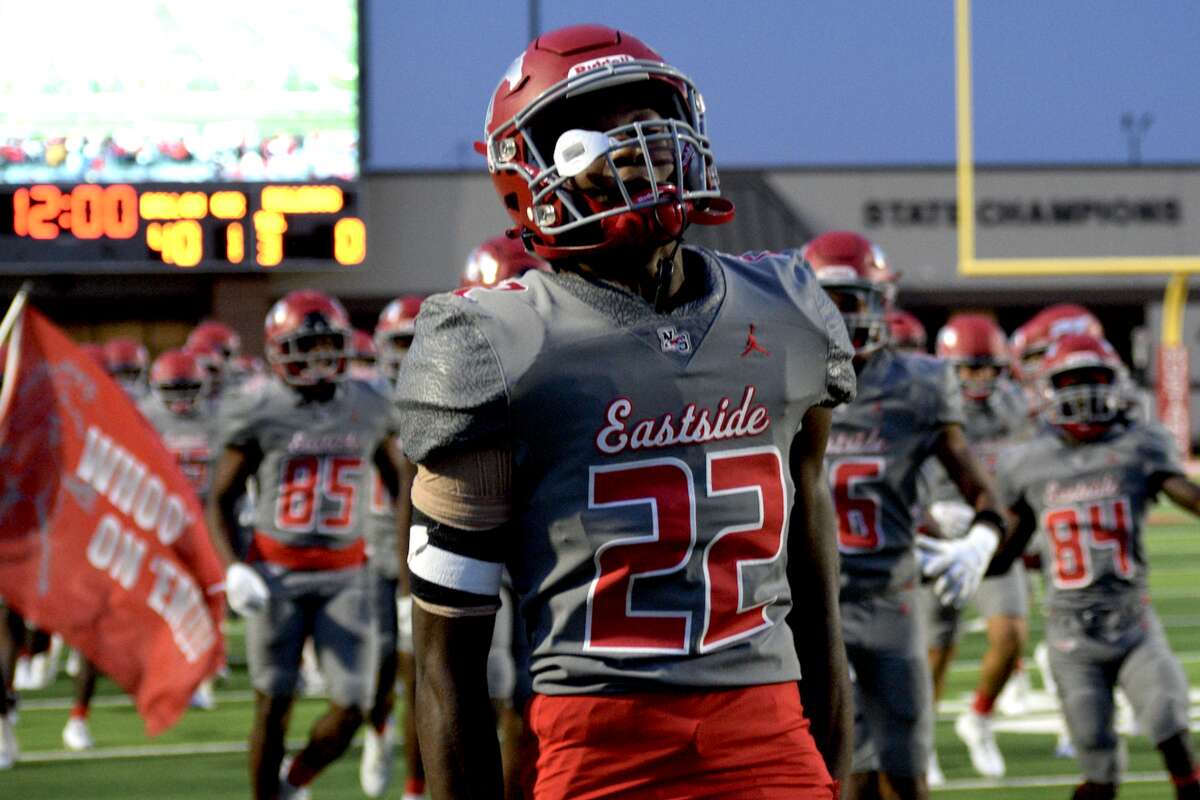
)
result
[(101, 538)]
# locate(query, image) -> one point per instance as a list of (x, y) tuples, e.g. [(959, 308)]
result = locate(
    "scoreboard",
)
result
[(159, 227)]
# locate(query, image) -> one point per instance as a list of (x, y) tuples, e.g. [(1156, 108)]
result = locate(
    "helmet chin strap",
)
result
[(672, 219)]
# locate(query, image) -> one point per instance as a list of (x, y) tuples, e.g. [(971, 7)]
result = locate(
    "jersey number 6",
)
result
[(667, 487)]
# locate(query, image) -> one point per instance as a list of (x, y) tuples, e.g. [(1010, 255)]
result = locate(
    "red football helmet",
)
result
[(363, 356), (215, 337), (362, 347), (499, 259), (975, 344), (907, 332), (178, 381), (536, 145), (1031, 340), (308, 338), (1084, 385), (126, 359), (394, 333), (855, 274)]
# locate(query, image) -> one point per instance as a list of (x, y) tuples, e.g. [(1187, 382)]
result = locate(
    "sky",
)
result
[(808, 84)]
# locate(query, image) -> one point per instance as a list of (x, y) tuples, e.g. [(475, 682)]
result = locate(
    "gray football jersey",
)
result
[(190, 437), (651, 487), (314, 478), (874, 457), (989, 426), (1090, 502)]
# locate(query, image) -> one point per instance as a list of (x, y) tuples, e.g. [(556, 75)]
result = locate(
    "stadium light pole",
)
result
[(535, 19)]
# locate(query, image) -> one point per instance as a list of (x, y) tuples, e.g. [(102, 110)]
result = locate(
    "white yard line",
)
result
[(1185, 657), (118, 701), (1031, 781)]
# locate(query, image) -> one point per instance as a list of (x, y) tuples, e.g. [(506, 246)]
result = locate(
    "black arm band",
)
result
[(991, 517)]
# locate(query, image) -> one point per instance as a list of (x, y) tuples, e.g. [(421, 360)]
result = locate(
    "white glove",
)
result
[(958, 564), (953, 517), (245, 589), (404, 623)]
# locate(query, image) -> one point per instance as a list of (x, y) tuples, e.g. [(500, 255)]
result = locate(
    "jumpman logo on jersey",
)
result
[(752, 344)]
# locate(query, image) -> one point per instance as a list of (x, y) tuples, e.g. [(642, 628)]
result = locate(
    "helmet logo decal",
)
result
[(514, 73), (596, 63)]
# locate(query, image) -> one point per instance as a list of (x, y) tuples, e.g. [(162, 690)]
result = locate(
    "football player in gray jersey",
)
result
[(908, 407), (177, 410), (996, 414), (309, 438), (393, 336), (389, 582), (185, 421), (1083, 485), (639, 437)]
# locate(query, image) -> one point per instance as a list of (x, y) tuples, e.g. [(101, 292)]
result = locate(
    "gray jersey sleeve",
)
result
[(1159, 456), (237, 417), (949, 396), (451, 390), (840, 382)]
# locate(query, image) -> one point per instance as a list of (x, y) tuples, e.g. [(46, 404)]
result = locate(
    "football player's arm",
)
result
[(397, 473), (974, 484), (1182, 491), (1013, 546), (460, 510), (813, 573), (959, 565), (234, 467)]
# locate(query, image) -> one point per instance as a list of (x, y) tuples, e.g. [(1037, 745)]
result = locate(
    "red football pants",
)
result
[(751, 743)]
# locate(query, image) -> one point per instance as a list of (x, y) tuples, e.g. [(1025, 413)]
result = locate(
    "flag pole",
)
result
[(14, 311)]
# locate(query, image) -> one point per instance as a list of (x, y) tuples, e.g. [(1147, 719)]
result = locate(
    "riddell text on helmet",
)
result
[(692, 427)]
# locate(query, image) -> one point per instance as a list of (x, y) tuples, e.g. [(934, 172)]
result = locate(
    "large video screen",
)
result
[(147, 91)]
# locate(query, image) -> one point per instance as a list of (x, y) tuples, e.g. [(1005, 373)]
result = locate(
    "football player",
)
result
[(1029, 344), (309, 439), (908, 334), (1082, 485), (393, 336), (388, 579), (996, 414), (909, 407), (128, 361), (639, 436), (178, 411)]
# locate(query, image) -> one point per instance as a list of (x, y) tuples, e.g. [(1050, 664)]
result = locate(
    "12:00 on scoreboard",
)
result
[(226, 228)]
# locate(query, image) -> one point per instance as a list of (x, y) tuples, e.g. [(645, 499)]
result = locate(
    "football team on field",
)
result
[(677, 523)]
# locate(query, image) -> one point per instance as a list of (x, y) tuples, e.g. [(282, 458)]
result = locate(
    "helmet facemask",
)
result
[(312, 357), (978, 377), (129, 376), (864, 310), (1084, 401), (181, 396)]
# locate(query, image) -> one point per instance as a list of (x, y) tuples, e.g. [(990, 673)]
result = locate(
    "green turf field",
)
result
[(204, 755)]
